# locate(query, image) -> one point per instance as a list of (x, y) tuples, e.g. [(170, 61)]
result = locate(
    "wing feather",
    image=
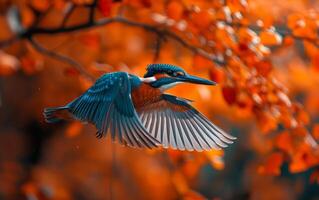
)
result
[(133, 130), (179, 141), (209, 130), (119, 126), (183, 136), (200, 143), (170, 131), (164, 129), (108, 105), (190, 141), (132, 136), (153, 124), (144, 136), (113, 124), (147, 122), (128, 136), (210, 144), (176, 124)]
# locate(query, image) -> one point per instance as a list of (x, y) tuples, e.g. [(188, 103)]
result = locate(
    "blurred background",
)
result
[(263, 54)]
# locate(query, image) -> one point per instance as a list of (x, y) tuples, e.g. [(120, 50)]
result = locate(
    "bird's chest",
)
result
[(145, 94)]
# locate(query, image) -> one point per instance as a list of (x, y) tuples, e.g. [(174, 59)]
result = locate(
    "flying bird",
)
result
[(138, 113)]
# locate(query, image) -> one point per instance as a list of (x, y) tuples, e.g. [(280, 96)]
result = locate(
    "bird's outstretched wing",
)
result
[(175, 123), (108, 105)]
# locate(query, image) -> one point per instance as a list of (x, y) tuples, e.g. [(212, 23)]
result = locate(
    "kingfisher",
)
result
[(138, 113)]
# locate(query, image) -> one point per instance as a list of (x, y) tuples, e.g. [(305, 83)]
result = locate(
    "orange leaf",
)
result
[(288, 41), (270, 38), (244, 101), (41, 6), (105, 7), (59, 4), (300, 131), (303, 159), (27, 17), (246, 36), (303, 117), (224, 14), (266, 122), (202, 19), (293, 20), (229, 94), (272, 165), (226, 37), (175, 10), (287, 120), (284, 142), (301, 26), (264, 67)]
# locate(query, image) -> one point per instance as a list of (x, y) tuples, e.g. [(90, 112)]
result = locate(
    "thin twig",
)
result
[(102, 22), (158, 45), (92, 11), (8, 42), (62, 58), (67, 15)]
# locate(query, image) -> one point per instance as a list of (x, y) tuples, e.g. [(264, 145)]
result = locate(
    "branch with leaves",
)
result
[(224, 35)]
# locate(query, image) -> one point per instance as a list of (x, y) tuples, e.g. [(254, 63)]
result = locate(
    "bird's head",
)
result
[(165, 76)]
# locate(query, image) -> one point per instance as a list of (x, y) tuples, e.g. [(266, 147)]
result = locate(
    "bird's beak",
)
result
[(196, 80)]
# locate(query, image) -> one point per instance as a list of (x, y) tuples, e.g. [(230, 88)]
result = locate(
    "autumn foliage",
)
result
[(264, 55)]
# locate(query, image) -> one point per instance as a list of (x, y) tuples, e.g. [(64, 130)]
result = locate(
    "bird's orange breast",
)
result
[(144, 95)]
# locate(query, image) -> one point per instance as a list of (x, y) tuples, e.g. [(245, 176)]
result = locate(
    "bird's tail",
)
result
[(53, 115)]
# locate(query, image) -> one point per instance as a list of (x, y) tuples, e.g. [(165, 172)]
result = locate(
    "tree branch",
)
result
[(158, 45), (67, 15), (102, 22), (92, 11), (62, 58), (160, 33), (282, 31), (9, 41), (163, 33)]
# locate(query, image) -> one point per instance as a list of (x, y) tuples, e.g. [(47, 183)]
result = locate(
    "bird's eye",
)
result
[(178, 74)]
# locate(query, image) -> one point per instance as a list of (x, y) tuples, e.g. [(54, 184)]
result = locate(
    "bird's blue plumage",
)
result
[(108, 105), (153, 69), (135, 81), (158, 119)]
